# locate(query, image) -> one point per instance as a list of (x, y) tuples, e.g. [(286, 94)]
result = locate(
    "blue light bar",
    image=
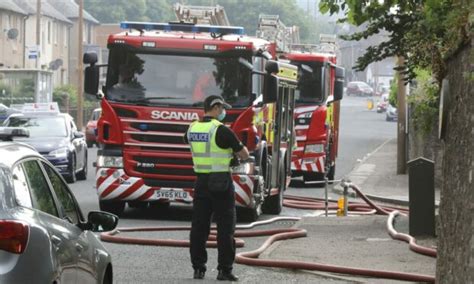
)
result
[(180, 27)]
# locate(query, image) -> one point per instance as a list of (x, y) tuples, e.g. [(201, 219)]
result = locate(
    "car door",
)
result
[(62, 238), (86, 266)]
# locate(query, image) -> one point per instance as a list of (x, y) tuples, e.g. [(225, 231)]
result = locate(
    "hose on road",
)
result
[(251, 257)]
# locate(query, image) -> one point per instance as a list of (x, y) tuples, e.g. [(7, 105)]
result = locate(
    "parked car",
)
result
[(391, 113), (359, 89), (382, 103), (91, 128), (5, 112), (44, 237), (55, 136)]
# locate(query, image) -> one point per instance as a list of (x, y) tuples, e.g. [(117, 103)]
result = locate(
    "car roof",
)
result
[(11, 152)]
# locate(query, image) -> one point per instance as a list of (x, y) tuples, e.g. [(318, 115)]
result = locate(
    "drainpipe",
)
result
[(24, 39)]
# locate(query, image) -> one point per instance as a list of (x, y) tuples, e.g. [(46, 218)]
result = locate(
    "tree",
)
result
[(438, 35), (240, 13)]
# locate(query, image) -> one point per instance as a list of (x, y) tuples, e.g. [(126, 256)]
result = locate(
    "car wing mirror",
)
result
[(78, 134), (98, 221)]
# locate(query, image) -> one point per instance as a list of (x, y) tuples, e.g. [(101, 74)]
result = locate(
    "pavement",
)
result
[(361, 241)]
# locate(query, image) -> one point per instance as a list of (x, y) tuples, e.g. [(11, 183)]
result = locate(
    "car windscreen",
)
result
[(175, 80), (309, 83), (47, 126), (96, 115)]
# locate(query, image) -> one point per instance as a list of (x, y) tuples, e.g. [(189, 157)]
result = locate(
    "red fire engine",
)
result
[(320, 88), (155, 89)]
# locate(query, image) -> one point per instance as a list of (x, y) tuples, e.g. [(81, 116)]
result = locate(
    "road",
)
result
[(361, 132)]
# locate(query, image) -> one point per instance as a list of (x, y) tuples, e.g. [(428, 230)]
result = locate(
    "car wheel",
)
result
[(71, 177), (82, 175), (116, 208)]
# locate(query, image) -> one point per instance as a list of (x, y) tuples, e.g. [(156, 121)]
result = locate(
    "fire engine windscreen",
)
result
[(176, 80), (311, 83)]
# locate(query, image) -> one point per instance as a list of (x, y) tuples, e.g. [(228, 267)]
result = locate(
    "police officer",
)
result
[(212, 146)]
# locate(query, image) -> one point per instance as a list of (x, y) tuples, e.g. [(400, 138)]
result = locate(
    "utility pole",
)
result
[(38, 31), (401, 127), (80, 93)]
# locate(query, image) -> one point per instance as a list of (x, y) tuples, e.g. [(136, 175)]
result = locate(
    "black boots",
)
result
[(226, 276), (199, 274)]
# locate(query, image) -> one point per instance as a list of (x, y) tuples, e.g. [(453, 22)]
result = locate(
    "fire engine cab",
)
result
[(158, 75)]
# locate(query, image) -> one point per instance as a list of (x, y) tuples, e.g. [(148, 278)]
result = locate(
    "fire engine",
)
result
[(320, 89), (158, 75)]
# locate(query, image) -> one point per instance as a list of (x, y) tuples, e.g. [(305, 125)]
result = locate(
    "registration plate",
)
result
[(171, 194)]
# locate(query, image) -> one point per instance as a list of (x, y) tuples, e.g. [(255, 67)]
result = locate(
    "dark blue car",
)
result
[(55, 136)]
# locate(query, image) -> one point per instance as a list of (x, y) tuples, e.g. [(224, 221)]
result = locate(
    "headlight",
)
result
[(314, 148), (304, 118), (243, 169), (59, 153), (109, 162)]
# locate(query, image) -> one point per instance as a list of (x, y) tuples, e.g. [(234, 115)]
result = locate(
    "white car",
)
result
[(391, 113)]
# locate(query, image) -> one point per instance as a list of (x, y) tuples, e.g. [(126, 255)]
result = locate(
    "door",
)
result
[(62, 239), (69, 210)]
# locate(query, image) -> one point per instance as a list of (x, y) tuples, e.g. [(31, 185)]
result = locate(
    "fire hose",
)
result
[(251, 257)]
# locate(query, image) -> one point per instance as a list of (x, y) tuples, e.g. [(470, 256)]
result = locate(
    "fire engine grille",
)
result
[(162, 160), (167, 171), (179, 128), (158, 138)]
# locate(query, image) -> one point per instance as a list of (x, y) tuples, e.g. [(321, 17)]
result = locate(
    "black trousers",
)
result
[(213, 195)]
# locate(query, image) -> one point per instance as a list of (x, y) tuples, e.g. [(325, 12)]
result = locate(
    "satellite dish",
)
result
[(59, 62), (55, 64), (12, 33)]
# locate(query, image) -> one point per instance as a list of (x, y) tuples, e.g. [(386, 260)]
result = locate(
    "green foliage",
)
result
[(240, 13), (424, 100), (392, 97), (62, 93), (426, 33)]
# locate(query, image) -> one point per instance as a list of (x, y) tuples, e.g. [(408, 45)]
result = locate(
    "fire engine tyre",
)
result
[(309, 177), (332, 173), (82, 175), (71, 176), (273, 204), (138, 204), (116, 208)]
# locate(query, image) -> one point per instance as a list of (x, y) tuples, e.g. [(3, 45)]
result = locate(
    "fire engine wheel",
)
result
[(116, 208), (309, 177), (249, 214), (138, 204), (273, 204), (332, 173)]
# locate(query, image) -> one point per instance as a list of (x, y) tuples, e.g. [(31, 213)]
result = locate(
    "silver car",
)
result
[(43, 235)]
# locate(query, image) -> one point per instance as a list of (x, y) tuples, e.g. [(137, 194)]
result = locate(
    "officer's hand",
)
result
[(234, 162)]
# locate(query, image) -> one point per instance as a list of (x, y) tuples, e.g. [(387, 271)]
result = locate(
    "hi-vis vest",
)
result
[(207, 156)]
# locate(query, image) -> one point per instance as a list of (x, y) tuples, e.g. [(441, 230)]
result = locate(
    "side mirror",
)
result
[(91, 80), (339, 83), (90, 58), (101, 221), (270, 88), (78, 134)]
